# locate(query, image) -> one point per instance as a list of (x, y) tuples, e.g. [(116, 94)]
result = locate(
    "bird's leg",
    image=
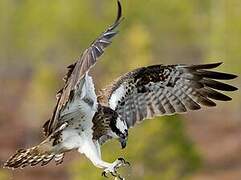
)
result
[(112, 169), (92, 151)]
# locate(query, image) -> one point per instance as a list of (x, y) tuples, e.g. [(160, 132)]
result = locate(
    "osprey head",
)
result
[(121, 130)]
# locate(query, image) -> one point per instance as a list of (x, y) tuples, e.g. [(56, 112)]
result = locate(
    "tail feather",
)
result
[(59, 158), (33, 156)]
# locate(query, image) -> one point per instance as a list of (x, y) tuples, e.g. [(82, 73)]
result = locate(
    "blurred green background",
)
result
[(38, 39)]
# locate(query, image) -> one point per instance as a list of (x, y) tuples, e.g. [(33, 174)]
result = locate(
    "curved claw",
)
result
[(112, 170), (124, 161), (104, 174), (120, 178), (114, 174), (121, 159), (127, 163)]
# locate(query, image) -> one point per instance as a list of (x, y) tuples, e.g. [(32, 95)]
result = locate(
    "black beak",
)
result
[(123, 142)]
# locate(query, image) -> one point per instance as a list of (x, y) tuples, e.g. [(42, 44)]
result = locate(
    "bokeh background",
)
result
[(38, 39)]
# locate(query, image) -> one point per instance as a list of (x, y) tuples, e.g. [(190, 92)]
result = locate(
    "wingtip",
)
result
[(214, 65), (119, 12), (218, 63), (119, 17), (205, 66), (228, 99), (233, 76), (235, 88)]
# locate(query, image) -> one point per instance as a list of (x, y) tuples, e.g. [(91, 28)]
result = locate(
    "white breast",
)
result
[(78, 113)]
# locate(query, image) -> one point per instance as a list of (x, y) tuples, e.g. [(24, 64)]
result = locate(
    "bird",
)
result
[(83, 120)]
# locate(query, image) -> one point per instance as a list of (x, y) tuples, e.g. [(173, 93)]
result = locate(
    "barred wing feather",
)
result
[(77, 71), (162, 90)]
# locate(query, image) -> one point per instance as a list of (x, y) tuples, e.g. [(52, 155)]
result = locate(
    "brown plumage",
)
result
[(103, 119), (77, 70), (81, 121), (40, 154), (160, 90), (51, 147)]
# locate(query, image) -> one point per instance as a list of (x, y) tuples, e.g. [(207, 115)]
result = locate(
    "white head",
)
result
[(121, 125), (121, 130)]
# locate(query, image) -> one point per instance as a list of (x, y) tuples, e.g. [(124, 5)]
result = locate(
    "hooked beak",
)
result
[(123, 142)]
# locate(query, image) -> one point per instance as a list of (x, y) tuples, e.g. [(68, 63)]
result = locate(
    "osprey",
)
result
[(83, 121)]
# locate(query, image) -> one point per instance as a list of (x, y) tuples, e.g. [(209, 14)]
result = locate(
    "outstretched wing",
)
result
[(161, 90), (77, 71)]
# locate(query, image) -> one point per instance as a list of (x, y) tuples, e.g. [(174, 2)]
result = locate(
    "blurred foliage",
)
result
[(42, 37), (3, 175)]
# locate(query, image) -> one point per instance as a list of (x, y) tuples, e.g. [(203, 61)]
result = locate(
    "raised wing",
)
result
[(161, 90), (77, 71)]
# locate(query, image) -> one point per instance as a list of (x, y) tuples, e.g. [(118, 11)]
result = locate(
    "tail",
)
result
[(42, 153)]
